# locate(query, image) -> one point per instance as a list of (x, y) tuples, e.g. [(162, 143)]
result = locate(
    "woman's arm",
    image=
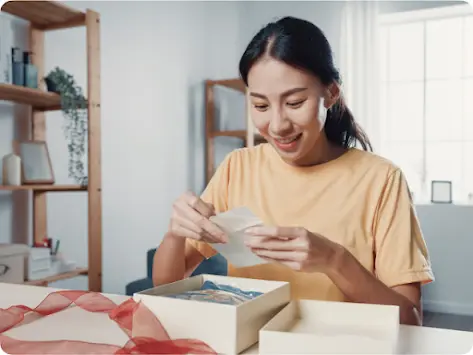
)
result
[(173, 261), (361, 286)]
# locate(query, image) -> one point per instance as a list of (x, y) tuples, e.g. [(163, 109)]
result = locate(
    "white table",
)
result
[(76, 324)]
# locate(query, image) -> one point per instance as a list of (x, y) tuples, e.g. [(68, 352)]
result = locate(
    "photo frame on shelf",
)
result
[(441, 191), (36, 167)]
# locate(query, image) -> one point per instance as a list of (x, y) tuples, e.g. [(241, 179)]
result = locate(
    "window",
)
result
[(427, 97)]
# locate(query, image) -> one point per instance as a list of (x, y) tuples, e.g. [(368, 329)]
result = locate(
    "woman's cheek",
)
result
[(260, 121), (303, 116)]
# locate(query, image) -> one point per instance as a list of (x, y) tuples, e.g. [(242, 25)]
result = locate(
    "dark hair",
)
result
[(303, 45)]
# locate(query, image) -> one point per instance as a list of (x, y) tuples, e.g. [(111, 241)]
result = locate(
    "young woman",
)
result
[(339, 221)]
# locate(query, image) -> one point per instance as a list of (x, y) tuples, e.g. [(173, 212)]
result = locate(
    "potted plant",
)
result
[(74, 109)]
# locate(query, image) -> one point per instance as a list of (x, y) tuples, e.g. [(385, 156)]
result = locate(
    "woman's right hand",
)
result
[(190, 219)]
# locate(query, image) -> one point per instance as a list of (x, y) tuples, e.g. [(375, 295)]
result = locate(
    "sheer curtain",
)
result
[(359, 65)]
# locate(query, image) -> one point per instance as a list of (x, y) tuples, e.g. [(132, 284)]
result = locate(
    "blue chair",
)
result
[(216, 265)]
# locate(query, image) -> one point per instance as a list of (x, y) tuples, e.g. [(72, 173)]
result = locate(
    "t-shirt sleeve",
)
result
[(215, 193), (401, 252)]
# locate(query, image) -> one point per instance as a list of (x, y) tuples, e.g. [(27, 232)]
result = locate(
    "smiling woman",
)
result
[(340, 223)]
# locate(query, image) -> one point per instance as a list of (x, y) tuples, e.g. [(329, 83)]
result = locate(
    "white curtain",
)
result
[(359, 65)]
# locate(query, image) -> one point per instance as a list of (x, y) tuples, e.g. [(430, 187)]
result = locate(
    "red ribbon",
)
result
[(149, 338)]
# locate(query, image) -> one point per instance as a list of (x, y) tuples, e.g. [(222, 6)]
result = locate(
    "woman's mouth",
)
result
[(288, 144)]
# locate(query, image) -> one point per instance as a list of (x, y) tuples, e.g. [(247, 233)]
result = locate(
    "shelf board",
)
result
[(40, 100), (46, 188), (45, 15), (58, 277), (236, 84)]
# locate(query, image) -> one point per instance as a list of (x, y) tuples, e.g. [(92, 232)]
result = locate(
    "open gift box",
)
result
[(228, 329), (324, 327)]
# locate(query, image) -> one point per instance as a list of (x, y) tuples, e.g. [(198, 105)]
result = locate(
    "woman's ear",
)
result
[(332, 94)]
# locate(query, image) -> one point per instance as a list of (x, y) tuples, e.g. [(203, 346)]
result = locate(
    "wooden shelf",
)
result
[(45, 15), (58, 277), (46, 188), (40, 100)]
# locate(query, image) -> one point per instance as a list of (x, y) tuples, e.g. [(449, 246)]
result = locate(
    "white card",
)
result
[(234, 222)]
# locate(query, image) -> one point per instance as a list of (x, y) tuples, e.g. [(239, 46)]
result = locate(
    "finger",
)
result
[(178, 219), (275, 232), (297, 256), (199, 205), (295, 265), (185, 233), (202, 222), (276, 244), (189, 225), (207, 237)]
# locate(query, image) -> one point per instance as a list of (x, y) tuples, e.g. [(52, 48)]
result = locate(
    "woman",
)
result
[(340, 224)]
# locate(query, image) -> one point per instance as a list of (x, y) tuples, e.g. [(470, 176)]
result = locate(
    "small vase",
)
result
[(50, 85), (11, 170)]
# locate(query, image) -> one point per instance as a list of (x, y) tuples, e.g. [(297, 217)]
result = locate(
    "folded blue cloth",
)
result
[(212, 292)]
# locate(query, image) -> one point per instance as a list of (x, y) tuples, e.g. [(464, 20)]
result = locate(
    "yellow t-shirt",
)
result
[(359, 200)]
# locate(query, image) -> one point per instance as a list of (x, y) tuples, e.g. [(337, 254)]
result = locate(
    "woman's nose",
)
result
[(280, 125)]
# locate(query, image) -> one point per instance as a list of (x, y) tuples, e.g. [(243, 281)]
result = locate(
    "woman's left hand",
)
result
[(293, 246)]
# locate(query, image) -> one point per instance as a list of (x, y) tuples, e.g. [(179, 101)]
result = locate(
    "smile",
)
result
[(288, 144), (289, 140)]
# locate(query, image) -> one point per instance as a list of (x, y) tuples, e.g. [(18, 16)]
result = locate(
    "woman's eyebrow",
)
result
[(286, 93)]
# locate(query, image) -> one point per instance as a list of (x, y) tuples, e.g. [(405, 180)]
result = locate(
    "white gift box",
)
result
[(228, 329), (323, 327)]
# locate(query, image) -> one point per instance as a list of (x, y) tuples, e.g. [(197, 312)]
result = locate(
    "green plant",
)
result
[(74, 109)]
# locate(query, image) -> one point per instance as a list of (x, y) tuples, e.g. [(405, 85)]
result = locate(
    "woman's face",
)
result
[(285, 108)]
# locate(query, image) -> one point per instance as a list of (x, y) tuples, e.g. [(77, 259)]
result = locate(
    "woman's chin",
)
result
[(291, 153)]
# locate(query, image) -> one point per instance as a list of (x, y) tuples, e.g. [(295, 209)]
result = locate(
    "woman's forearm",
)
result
[(361, 286), (169, 262)]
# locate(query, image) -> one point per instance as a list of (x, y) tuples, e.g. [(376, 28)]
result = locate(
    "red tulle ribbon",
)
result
[(145, 332)]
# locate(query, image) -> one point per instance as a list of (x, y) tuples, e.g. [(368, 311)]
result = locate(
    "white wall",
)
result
[(155, 56), (448, 229)]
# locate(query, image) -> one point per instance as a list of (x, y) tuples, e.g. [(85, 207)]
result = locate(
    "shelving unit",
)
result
[(44, 16), (249, 135)]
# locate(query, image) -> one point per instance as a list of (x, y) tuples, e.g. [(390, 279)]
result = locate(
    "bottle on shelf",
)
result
[(18, 68), (31, 72)]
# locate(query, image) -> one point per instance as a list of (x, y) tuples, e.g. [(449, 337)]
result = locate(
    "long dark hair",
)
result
[(303, 45)]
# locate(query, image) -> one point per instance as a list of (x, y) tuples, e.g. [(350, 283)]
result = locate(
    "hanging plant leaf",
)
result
[(74, 109)]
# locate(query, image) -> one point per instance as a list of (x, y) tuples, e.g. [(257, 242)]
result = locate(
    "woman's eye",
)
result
[(296, 104), (260, 107)]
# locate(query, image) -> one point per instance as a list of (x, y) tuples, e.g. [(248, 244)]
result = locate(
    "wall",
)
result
[(255, 14), (155, 56), (447, 228)]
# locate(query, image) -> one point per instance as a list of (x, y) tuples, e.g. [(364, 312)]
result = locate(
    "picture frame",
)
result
[(441, 191), (36, 167)]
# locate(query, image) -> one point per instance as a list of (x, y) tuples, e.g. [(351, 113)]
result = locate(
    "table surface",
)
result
[(90, 326)]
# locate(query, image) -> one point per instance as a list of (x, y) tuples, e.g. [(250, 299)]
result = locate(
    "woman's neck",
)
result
[(322, 152)]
